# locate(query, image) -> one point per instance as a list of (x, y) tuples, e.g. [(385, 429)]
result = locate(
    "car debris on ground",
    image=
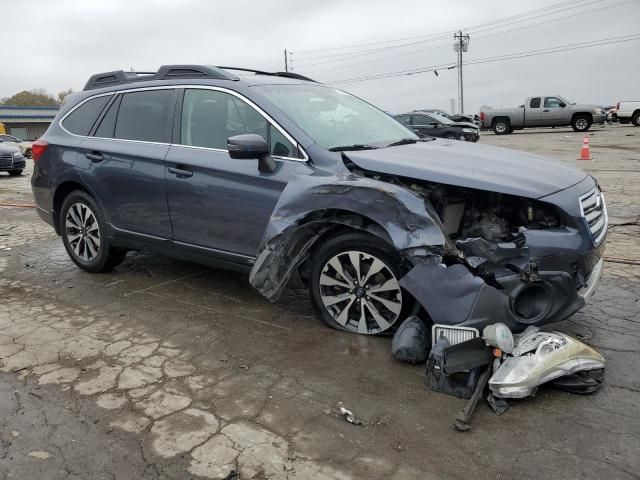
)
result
[(463, 363)]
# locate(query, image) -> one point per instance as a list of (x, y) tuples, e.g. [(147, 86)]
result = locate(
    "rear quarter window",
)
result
[(80, 120)]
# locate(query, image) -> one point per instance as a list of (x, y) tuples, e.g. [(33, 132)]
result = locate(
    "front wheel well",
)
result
[(337, 222), (60, 194), (581, 114)]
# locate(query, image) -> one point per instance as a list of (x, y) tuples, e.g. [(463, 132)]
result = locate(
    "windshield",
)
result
[(333, 118)]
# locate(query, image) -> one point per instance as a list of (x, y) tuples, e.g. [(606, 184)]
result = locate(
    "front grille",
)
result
[(6, 159), (594, 212)]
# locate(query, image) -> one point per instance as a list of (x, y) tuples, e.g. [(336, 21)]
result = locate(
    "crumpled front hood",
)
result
[(471, 165)]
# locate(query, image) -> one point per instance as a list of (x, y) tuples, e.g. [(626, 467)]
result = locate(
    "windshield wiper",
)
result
[(403, 141), (357, 146)]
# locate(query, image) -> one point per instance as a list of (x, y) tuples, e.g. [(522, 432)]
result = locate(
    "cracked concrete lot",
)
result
[(164, 369)]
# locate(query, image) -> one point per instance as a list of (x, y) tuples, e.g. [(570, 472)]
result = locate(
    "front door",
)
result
[(218, 205), (425, 125), (553, 113)]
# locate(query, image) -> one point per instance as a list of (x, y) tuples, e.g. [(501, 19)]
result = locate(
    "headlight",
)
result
[(469, 130)]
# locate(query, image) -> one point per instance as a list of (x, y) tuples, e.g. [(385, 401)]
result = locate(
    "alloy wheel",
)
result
[(360, 292), (82, 231), (581, 124), (501, 127)]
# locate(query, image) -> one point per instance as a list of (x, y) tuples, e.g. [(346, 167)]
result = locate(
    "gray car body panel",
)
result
[(481, 167)]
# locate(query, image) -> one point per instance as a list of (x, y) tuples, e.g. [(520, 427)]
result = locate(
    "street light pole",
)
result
[(286, 61)]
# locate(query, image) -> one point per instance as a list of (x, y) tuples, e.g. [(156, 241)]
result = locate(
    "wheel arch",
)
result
[(400, 217), (500, 117), (582, 114), (61, 192)]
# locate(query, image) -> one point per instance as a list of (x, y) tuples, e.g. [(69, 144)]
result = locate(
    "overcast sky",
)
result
[(57, 45)]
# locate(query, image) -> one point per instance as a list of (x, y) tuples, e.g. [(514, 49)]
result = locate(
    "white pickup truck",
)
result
[(628, 111), (542, 111)]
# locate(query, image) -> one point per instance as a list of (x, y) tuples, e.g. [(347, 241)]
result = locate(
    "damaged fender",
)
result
[(312, 204)]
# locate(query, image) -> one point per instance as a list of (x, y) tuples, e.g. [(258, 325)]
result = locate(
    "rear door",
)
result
[(123, 161), (532, 117), (221, 206)]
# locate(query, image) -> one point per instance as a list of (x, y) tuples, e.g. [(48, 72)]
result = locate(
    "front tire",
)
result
[(581, 123), (84, 234), (452, 136), (355, 284), (636, 119)]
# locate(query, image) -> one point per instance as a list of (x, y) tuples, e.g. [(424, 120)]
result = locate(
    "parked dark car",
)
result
[(434, 125), (11, 160), (454, 117), (298, 182)]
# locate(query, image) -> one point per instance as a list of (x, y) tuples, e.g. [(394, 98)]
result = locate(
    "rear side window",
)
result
[(82, 118), (146, 116), (535, 102)]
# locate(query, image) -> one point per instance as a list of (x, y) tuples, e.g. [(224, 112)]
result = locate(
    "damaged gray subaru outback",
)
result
[(294, 181)]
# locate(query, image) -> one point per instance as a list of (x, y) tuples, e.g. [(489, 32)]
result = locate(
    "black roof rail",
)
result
[(165, 72), (274, 74)]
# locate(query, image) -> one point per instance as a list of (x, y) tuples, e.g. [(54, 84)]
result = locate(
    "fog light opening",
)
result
[(531, 303)]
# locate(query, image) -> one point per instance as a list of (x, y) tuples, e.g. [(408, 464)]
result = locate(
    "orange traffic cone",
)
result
[(585, 153)]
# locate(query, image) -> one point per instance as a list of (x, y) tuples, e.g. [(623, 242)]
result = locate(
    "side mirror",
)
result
[(247, 147), (250, 147), (562, 104)]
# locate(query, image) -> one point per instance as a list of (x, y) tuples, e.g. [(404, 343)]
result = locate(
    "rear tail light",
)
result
[(38, 148), (618, 106), (482, 116)]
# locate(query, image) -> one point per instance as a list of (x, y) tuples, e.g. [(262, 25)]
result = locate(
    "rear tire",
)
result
[(15, 173), (636, 119), (581, 123), (501, 126), (84, 234), (340, 295)]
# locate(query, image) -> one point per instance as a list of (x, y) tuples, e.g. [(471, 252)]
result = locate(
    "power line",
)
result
[(442, 35), (498, 58), (447, 33), (422, 50), (489, 26)]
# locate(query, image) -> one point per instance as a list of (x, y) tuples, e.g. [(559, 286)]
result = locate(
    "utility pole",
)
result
[(460, 45), (286, 61)]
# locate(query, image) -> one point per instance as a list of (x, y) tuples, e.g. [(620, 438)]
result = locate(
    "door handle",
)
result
[(546, 110), (180, 173), (94, 156)]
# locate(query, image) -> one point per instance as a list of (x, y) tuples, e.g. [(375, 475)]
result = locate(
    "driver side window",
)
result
[(209, 117), (552, 102)]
